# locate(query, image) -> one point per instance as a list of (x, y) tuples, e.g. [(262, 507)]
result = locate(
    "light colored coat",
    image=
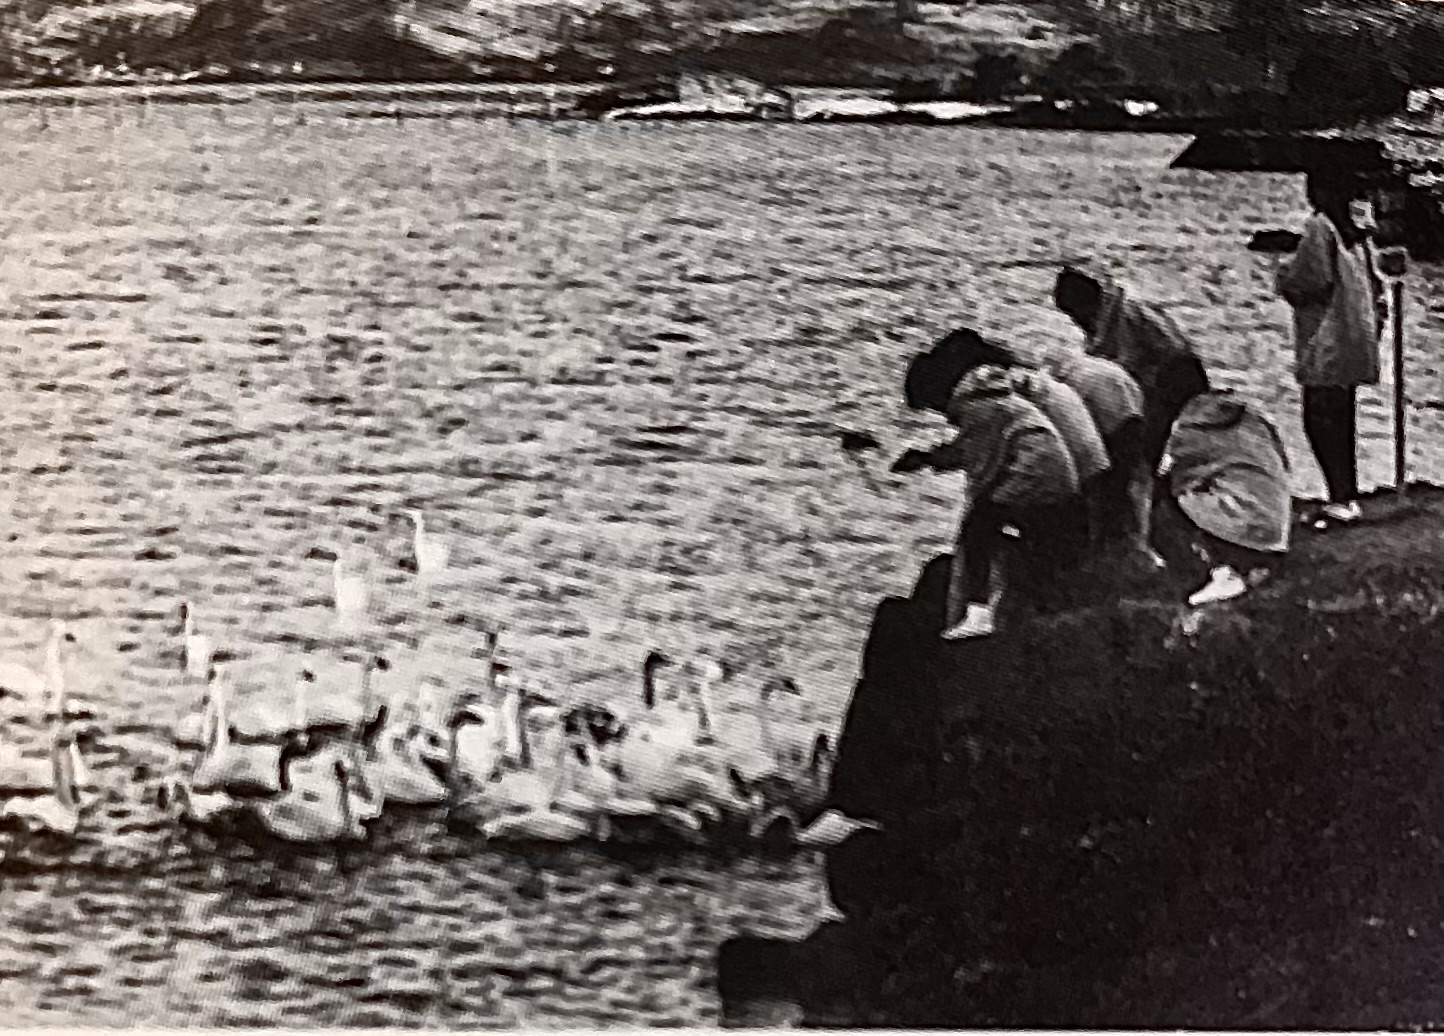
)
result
[(1109, 392), (1068, 413), (1011, 452), (1230, 472), (1329, 286)]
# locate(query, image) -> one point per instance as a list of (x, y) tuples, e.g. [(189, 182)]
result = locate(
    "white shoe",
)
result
[(978, 622), (1223, 585), (1349, 512), (1165, 465)]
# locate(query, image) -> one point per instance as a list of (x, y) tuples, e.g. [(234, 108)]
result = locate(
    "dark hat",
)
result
[(933, 375)]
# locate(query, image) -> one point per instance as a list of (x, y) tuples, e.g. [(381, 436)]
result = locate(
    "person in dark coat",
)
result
[(1142, 339)]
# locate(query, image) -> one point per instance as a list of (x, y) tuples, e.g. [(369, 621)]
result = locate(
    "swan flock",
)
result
[(317, 754)]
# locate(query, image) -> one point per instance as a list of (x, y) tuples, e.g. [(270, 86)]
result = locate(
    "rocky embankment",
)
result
[(1125, 813)]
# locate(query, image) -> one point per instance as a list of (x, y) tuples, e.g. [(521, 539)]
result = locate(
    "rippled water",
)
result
[(605, 360)]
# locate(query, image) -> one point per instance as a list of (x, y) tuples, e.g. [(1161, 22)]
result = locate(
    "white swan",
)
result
[(540, 808), (22, 774), (431, 555), (19, 680), (753, 747), (240, 770), (398, 756), (665, 754), (199, 649), (268, 718), (57, 808), (349, 715), (350, 592), (317, 807), (396, 766), (193, 732)]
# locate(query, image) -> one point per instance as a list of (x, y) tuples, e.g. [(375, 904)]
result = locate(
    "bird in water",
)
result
[(55, 808), (23, 682), (431, 554), (199, 650), (350, 592), (316, 804)]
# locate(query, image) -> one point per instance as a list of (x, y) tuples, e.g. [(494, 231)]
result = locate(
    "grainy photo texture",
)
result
[(752, 513)]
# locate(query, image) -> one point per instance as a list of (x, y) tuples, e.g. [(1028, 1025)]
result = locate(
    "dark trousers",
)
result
[(1329, 423), (1125, 466), (1177, 382), (1050, 539)]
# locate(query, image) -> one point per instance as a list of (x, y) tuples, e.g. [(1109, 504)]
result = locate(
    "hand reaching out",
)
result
[(911, 460)]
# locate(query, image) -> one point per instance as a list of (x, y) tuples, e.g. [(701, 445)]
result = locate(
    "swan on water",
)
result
[(790, 796), (56, 809), (350, 715), (538, 808), (23, 682), (749, 735), (317, 805), (199, 649), (665, 754), (432, 555), (241, 770), (349, 591)]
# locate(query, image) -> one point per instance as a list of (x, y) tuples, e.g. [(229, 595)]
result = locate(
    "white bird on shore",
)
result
[(431, 554), (199, 650)]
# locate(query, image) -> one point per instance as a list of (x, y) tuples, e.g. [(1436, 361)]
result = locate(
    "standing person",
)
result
[(1331, 286), (1144, 341), (1022, 484)]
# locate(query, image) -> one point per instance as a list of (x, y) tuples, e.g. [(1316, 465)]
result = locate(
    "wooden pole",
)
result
[(1400, 417)]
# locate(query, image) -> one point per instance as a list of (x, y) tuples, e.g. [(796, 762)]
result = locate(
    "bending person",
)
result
[(1226, 472), (1022, 485), (1144, 341)]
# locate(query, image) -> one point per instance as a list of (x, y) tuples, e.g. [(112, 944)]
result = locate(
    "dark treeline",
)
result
[(1247, 62)]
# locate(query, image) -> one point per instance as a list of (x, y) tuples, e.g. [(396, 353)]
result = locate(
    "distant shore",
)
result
[(566, 101)]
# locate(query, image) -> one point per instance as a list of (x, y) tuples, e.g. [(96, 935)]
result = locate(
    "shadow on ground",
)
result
[(1125, 814)]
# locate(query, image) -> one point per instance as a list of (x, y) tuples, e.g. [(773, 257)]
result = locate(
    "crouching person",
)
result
[(1227, 476), (1022, 491)]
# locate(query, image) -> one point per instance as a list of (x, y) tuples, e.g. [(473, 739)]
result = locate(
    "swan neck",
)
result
[(65, 769), (649, 685)]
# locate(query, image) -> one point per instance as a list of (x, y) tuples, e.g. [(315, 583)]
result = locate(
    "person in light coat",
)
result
[(1022, 484), (1227, 481), (1115, 402), (1333, 289)]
